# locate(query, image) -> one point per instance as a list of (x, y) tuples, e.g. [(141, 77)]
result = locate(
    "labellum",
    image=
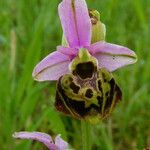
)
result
[(88, 92)]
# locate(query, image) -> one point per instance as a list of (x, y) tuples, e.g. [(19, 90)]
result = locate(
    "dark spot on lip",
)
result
[(89, 93), (112, 82), (74, 87), (106, 94), (79, 108), (74, 108), (111, 94), (115, 94), (104, 78), (108, 103), (59, 103), (100, 102), (99, 85), (99, 98), (85, 70)]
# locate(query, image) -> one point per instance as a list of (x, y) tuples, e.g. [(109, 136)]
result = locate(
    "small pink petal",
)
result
[(51, 67), (38, 136), (112, 56), (60, 143), (75, 22)]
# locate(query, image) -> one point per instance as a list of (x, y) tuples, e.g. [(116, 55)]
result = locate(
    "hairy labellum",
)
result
[(88, 93)]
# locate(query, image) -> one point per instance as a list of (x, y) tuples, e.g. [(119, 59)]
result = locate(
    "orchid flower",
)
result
[(57, 144), (77, 27), (82, 67)]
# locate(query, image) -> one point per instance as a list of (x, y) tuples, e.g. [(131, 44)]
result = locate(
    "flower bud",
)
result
[(98, 28)]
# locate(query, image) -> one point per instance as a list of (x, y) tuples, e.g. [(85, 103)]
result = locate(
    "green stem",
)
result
[(86, 135)]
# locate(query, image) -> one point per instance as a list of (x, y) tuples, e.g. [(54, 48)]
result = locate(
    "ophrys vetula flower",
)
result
[(86, 88)]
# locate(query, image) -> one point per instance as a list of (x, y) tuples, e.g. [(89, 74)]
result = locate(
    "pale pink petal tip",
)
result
[(75, 22), (38, 136), (60, 143), (51, 67), (112, 56)]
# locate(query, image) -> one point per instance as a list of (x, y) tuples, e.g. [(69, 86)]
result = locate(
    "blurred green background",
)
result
[(29, 30)]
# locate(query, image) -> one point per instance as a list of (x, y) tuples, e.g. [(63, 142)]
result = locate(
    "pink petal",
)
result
[(51, 67), (75, 22), (112, 56), (71, 52), (60, 143), (38, 136)]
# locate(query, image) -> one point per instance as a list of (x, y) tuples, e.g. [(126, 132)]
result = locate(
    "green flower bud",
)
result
[(98, 28)]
